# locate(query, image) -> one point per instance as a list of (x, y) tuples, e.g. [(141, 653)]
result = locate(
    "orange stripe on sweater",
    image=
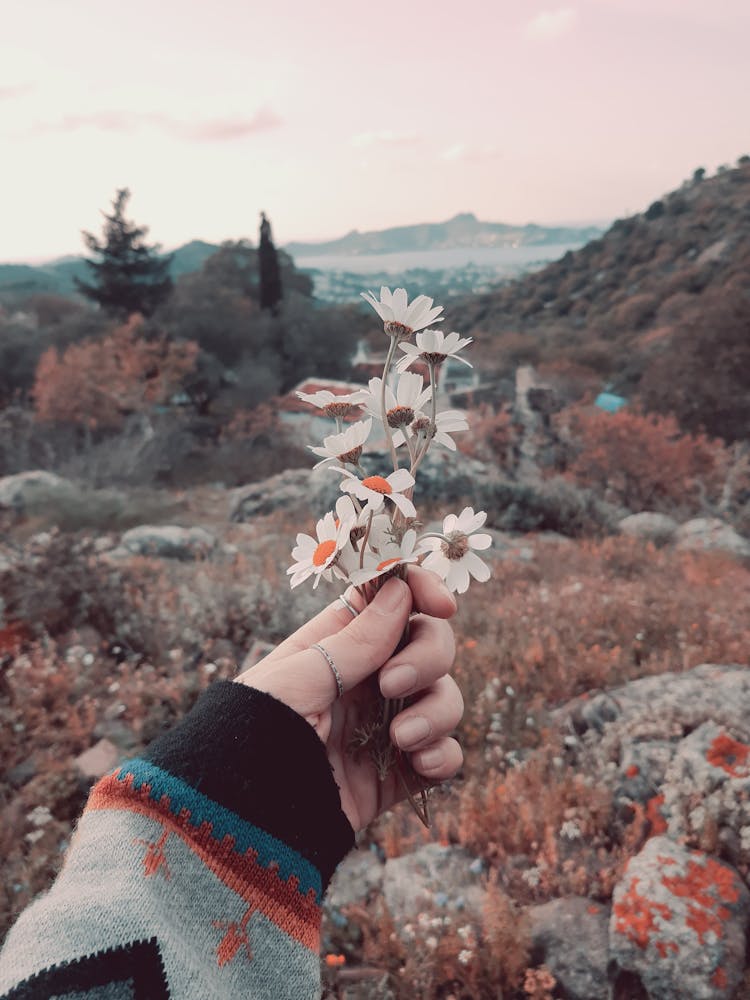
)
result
[(295, 914)]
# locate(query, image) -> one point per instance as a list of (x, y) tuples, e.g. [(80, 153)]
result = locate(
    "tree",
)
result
[(270, 275), (98, 383), (129, 276)]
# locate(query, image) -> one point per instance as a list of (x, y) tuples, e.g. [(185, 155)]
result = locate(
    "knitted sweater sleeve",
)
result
[(196, 871)]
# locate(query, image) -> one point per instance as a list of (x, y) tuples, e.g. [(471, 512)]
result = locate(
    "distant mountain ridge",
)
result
[(463, 230)]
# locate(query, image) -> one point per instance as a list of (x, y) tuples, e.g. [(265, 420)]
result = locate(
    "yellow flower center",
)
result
[(399, 416), (377, 484), (323, 551), (387, 562)]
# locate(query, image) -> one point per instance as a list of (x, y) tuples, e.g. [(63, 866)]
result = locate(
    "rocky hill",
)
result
[(658, 305)]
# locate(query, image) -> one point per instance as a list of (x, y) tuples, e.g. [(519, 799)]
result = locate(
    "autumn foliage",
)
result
[(97, 383), (642, 461)]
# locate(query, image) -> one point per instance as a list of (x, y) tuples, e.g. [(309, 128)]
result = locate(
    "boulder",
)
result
[(678, 923), (431, 876), (169, 541), (98, 760), (711, 534), (308, 493), (570, 937), (650, 526), (36, 491)]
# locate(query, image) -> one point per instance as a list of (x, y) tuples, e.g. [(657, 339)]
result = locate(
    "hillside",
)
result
[(463, 230), (658, 306)]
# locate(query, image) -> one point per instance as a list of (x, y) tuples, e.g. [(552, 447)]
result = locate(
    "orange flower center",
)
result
[(377, 484), (323, 551), (387, 562)]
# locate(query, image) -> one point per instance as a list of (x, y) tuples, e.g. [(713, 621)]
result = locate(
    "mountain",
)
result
[(659, 306), (463, 230), (57, 277)]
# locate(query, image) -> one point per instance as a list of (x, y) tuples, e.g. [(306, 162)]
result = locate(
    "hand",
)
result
[(299, 676)]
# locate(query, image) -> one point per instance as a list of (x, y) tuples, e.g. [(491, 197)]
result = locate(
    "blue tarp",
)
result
[(609, 402)]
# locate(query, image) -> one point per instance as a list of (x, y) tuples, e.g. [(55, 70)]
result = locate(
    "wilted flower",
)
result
[(374, 490), (316, 556), (344, 447), (453, 557), (401, 319), (433, 346)]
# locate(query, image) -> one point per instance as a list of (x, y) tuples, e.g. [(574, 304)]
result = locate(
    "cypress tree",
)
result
[(268, 262)]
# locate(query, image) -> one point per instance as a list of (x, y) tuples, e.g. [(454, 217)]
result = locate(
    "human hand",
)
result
[(300, 677)]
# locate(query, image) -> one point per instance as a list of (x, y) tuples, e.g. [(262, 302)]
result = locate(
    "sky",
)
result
[(341, 115)]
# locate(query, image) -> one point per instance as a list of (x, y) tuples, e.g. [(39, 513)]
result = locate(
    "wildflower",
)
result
[(390, 554), (317, 556), (402, 406), (446, 423), (453, 558), (400, 319), (375, 489), (333, 404), (464, 956), (344, 447), (433, 346)]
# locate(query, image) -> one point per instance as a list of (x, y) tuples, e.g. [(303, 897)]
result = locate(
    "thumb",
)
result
[(306, 681)]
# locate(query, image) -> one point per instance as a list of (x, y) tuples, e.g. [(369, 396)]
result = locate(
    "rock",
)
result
[(711, 534), (257, 652), (32, 492), (169, 541), (414, 880), (650, 526), (19, 775), (570, 937), (678, 923), (98, 760), (707, 792), (359, 874)]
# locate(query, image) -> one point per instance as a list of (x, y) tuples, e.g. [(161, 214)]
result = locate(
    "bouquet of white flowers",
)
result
[(375, 531)]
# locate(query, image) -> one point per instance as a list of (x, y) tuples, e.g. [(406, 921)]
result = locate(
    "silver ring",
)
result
[(349, 606), (332, 665)]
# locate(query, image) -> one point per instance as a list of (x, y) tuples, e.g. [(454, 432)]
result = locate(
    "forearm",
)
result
[(201, 864)]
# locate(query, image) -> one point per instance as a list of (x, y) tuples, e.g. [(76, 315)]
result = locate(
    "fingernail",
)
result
[(398, 680), (431, 760), (389, 597), (412, 731)]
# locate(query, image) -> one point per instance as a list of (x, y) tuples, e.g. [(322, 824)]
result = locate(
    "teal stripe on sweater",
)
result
[(223, 821)]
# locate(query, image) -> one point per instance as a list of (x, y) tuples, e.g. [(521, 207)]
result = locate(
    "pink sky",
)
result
[(341, 115)]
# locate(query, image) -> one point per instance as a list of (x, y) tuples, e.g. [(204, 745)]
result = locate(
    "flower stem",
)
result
[(383, 412)]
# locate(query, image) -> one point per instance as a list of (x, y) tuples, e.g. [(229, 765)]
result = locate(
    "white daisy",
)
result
[(317, 556), (401, 406), (400, 319), (454, 558), (374, 490), (446, 423), (390, 554), (433, 346), (334, 404), (344, 447)]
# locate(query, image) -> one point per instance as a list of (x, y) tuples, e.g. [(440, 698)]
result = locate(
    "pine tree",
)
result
[(129, 276), (270, 275)]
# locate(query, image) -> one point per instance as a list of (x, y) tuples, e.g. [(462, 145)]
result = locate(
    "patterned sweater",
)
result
[(196, 870)]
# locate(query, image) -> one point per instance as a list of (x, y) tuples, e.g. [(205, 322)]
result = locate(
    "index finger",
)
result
[(430, 596)]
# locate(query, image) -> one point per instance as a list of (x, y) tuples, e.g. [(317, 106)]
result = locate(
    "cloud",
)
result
[(549, 24), (206, 130), (455, 152), (8, 92), (384, 137), (460, 152)]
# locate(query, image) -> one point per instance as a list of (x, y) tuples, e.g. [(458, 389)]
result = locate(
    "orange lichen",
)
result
[(636, 915), (706, 886), (730, 755), (719, 978), (633, 771), (654, 815)]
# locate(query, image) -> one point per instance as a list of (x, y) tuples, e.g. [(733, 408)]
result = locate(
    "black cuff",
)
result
[(256, 756)]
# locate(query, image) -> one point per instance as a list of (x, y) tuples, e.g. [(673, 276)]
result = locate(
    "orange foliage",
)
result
[(492, 435), (642, 461), (98, 382)]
